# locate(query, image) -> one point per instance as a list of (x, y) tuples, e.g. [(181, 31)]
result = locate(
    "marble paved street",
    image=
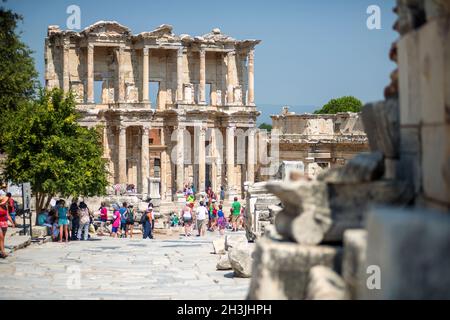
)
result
[(105, 268)]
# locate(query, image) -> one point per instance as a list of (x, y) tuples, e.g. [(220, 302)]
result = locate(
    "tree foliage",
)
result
[(17, 72), (265, 126), (47, 147), (344, 104)]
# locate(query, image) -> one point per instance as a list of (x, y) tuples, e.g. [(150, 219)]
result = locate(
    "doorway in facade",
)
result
[(208, 178)]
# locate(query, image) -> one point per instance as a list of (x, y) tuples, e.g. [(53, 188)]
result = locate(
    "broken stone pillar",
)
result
[(410, 249), (281, 269), (258, 213)]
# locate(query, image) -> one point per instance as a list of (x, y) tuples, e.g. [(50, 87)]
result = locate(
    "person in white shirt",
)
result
[(201, 213)]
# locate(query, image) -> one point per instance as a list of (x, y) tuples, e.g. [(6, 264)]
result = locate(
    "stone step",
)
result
[(15, 243)]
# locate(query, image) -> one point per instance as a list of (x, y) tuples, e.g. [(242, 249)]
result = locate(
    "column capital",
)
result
[(145, 130), (180, 51), (145, 50), (122, 129), (202, 52), (90, 46)]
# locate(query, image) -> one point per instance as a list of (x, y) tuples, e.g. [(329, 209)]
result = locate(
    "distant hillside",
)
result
[(271, 109)]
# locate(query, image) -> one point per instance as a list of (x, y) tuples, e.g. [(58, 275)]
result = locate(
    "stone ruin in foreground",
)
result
[(379, 227)]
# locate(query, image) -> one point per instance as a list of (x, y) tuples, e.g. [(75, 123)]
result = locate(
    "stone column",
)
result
[(66, 68), (251, 78), (120, 77), (105, 141), (165, 160), (180, 158), (202, 87), (251, 156), (90, 73), (123, 155), (230, 93), (201, 159), (180, 75), (230, 158), (145, 75), (145, 170)]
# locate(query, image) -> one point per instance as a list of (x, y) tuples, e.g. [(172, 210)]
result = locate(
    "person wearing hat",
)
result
[(4, 218)]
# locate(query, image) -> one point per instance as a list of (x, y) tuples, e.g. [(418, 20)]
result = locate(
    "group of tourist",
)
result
[(75, 222), (209, 214), (64, 224)]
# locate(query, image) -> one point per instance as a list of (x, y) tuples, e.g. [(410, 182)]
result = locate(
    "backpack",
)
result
[(143, 218), (130, 215)]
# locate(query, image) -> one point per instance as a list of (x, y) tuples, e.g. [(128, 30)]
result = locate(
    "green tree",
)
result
[(265, 126), (17, 72), (47, 147), (344, 104)]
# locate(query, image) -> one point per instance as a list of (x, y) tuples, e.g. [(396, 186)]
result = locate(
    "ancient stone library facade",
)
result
[(203, 92)]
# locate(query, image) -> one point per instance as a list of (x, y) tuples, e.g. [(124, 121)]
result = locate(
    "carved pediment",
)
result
[(163, 31), (217, 36), (108, 28)]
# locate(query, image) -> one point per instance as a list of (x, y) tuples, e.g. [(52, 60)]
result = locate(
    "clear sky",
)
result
[(311, 50)]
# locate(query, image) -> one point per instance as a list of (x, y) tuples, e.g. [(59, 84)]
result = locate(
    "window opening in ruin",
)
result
[(157, 168), (98, 88), (153, 89), (208, 94)]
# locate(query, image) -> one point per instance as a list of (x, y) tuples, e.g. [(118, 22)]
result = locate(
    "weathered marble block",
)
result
[(281, 269), (411, 249), (353, 259)]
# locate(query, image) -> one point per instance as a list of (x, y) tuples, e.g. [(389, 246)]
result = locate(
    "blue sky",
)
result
[(311, 50)]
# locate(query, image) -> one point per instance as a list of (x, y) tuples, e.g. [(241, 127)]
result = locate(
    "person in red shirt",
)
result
[(4, 217)]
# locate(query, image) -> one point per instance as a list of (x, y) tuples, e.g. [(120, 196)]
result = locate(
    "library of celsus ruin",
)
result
[(149, 93)]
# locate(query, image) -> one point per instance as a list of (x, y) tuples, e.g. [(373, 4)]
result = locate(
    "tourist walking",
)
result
[(116, 221), (123, 220), (85, 221), (63, 221), (186, 215), (11, 206), (103, 217), (130, 220), (221, 220), (235, 213), (4, 218), (201, 215), (147, 224), (213, 214), (73, 212)]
